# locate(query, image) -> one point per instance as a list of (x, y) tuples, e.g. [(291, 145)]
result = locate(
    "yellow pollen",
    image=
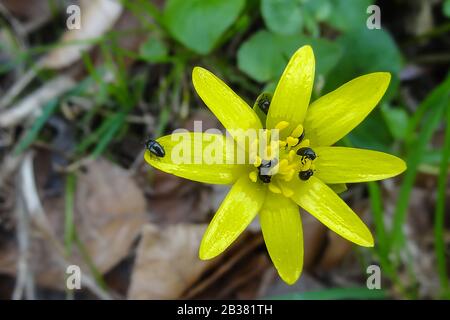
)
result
[(252, 153), (257, 162), (282, 143), (268, 134), (291, 141), (284, 166), (268, 154), (291, 155), (288, 176), (274, 188), (303, 144), (297, 132), (287, 192), (282, 125), (306, 165), (253, 176)]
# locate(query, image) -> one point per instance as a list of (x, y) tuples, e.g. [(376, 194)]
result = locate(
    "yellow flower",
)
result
[(306, 163)]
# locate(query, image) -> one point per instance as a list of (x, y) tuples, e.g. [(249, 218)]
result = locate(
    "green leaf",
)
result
[(446, 8), (153, 50), (199, 24), (282, 16), (260, 57), (264, 56), (372, 133), (366, 51), (326, 53), (396, 120), (347, 16), (320, 9)]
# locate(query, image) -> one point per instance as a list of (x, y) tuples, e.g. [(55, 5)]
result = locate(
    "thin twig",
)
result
[(24, 287), (40, 221)]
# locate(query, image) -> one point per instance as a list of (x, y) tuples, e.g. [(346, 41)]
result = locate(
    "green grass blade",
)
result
[(33, 133), (69, 226), (93, 137), (431, 100), (335, 294), (376, 204), (413, 160), (87, 258), (114, 127), (440, 211)]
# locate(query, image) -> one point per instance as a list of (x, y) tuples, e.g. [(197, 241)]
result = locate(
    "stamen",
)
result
[(268, 134), (268, 153), (291, 141), (282, 125), (257, 161), (284, 164), (289, 175), (297, 132), (274, 188), (282, 143), (287, 192), (291, 155), (304, 143), (253, 152), (253, 176)]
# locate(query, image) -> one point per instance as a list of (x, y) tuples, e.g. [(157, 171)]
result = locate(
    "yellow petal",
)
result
[(236, 212), (347, 165), (334, 115), (282, 230), (291, 97), (323, 203), (338, 187), (198, 156), (227, 106)]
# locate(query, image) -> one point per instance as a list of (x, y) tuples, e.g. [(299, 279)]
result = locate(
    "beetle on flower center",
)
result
[(295, 158)]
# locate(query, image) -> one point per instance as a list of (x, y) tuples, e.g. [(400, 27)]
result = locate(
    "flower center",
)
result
[(282, 160)]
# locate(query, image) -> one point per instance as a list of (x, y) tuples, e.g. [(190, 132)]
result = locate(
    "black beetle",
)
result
[(266, 164), (305, 175), (307, 153), (263, 102), (155, 148), (265, 178)]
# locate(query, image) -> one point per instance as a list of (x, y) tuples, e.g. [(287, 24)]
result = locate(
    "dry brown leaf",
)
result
[(314, 235), (227, 267), (335, 251), (109, 214), (111, 209), (27, 10), (167, 261), (338, 248), (177, 200), (97, 17)]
